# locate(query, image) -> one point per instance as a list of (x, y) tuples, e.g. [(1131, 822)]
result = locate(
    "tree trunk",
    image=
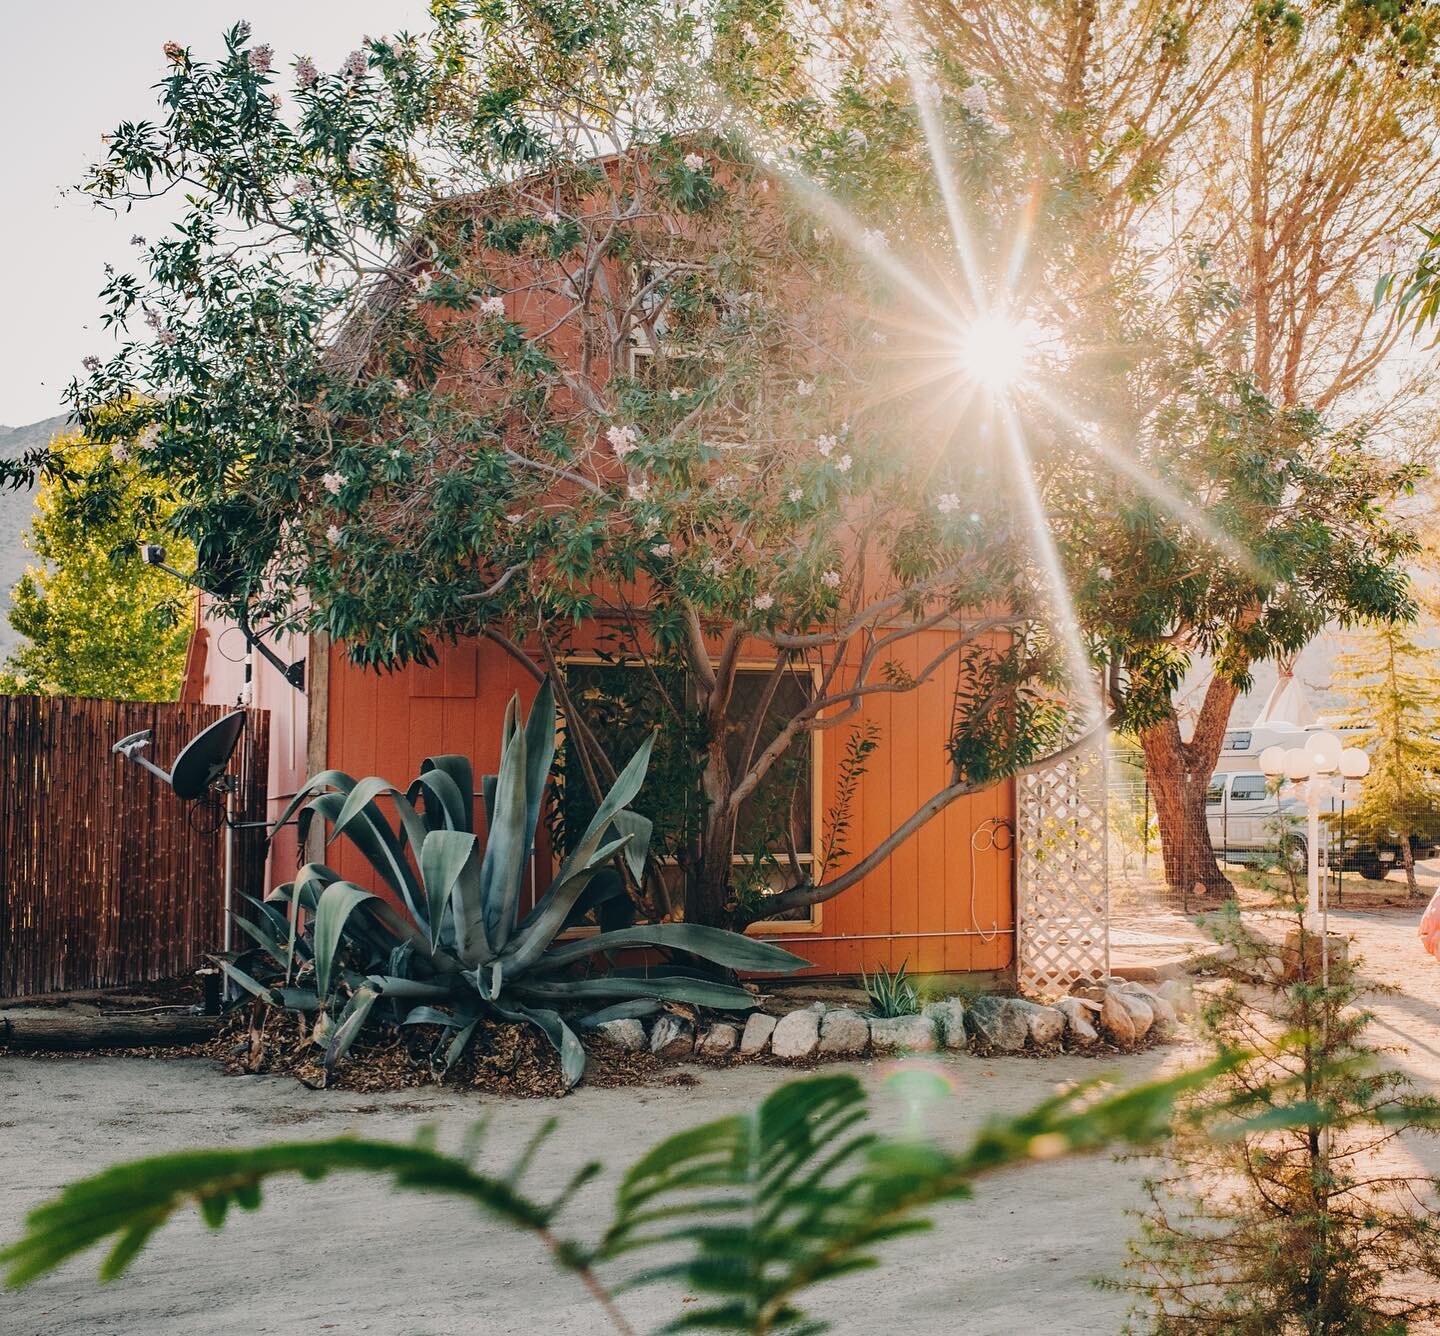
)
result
[(707, 883), (1407, 855), (1178, 773), (65, 1028)]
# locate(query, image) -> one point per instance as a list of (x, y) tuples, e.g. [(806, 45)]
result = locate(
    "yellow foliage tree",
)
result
[(96, 621)]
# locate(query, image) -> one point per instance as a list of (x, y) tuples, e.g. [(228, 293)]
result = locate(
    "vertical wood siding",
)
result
[(105, 876), (386, 724)]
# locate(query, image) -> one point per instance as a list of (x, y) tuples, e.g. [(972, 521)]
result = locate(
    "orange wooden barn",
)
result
[(942, 902)]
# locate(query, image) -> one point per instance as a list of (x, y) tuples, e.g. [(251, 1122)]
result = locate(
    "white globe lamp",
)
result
[(1272, 762), (1325, 751), (1297, 764), (1354, 763)]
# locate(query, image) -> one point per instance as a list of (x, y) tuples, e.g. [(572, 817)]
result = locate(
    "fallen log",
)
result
[(60, 1029)]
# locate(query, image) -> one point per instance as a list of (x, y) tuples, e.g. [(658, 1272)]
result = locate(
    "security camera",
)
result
[(152, 554)]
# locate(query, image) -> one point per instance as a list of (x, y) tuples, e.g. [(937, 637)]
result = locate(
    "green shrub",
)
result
[(458, 948)]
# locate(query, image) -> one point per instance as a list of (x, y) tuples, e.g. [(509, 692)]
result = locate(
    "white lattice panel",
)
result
[(1062, 895)]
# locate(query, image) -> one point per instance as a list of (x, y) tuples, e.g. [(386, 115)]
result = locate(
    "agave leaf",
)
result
[(300, 999), (732, 949), (622, 792), (621, 1011), (423, 1015), (548, 917), (604, 886), (351, 1022), (391, 986), (487, 792), (443, 859), (639, 829), (336, 903), (560, 1035), (367, 828), (266, 940), (326, 779), (449, 787), (250, 984), (507, 844), (671, 988), (457, 1045), (539, 754)]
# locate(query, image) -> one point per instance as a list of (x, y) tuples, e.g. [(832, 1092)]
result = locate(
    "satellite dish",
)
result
[(201, 762)]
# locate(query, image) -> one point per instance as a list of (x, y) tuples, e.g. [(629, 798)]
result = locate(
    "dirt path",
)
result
[(348, 1256)]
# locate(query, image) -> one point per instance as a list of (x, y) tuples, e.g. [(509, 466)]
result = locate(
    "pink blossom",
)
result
[(843, 463), (947, 503), (661, 550), (91, 363), (693, 162), (174, 53), (873, 241), (550, 218), (137, 240), (148, 437), (830, 579), (306, 75), (168, 337), (825, 444), (243, 30), (622, 440), (352, 160), (261, 58), (804, 388), (638, 491), (763, 602), (492, 306), (514, 518), (333, 482), (715, 566), (304, 187), (796, 494), (975, 100), (333, 536), (400, 388), (356, 65), (119, 452)]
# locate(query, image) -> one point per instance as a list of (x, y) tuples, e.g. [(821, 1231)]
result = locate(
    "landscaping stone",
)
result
[(719, 1040), (1179, 993), (796, 1035), (949, 1017), (1046, 1024), (903, 1034), (996, 1022), (628, 1034), (844, 1032), (1080, 1014), (1140, 1013), (756, 1038), (1166, 1019), (1116, 1021), (672, 1038)]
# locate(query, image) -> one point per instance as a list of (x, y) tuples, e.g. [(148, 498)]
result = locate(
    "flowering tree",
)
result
[(474, 337), (1198, 199)]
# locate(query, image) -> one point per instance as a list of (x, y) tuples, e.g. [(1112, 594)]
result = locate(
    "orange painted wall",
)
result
[(934, 884)]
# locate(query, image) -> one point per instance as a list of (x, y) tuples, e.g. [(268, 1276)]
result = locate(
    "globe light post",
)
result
[(1312, 769)]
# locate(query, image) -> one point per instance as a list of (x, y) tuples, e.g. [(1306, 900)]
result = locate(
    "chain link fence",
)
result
[(1253, 841)]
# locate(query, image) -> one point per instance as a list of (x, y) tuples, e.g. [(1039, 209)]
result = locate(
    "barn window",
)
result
[(621, 701)]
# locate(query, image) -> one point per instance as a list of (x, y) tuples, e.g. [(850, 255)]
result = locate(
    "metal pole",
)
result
[(228, 931), (1312, 850)]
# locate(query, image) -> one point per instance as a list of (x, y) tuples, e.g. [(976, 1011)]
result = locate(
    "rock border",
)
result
[(1119, 1012)]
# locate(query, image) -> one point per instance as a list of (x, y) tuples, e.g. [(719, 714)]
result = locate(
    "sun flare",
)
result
[(994, 351)]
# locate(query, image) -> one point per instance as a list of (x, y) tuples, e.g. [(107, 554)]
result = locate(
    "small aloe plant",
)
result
[(449, 945), (891, 994)]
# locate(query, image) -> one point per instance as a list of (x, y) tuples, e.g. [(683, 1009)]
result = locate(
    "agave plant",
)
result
[(449, 944)]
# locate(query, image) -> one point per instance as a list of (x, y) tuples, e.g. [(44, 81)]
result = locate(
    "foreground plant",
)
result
[(751, 1211), (1297, 1225), (459, 948)]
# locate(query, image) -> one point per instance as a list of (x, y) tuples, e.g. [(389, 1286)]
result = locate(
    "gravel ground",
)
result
[(348, 1256)]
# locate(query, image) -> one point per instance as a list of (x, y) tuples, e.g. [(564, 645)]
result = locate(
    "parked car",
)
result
[(1246, 818)]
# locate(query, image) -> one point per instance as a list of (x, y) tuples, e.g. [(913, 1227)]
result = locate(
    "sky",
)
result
[(69, 70)]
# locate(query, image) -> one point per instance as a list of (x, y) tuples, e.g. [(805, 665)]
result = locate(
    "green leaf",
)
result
[(450, 781), (732, 949), (337, 902), (445, 859), (507, 844), (560, 1035), (347, 1028), (672, 988)]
